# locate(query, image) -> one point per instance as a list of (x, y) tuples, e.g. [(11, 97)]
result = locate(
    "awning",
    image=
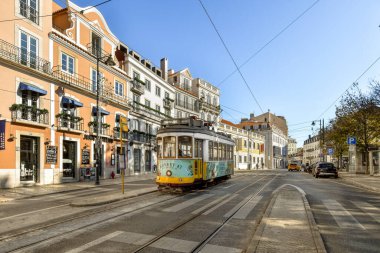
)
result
[(26, 86), (71, 102), (102, 112)]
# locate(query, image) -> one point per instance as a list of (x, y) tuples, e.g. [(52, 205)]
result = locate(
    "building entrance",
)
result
[(137, 160), (69, 159), (148, 160), (29, 158)]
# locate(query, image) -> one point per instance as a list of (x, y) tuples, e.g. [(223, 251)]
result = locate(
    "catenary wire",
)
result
[(269, 42), (229, 53)]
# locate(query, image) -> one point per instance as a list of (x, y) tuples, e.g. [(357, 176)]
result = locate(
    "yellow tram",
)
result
[(191, 153)]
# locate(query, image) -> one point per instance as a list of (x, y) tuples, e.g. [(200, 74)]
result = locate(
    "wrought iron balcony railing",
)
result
[(98, 52), (148, 111), (116, 134), (23, 57), (137, 87), (188, 106), (104, 130), (29, 12), (30, 114), (70, 124)]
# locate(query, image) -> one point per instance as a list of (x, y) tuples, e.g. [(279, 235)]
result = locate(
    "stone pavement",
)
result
[(288, 225), (368, 182), (40, 190)]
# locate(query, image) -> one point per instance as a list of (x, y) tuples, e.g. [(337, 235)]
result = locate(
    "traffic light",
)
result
[(124, 124)]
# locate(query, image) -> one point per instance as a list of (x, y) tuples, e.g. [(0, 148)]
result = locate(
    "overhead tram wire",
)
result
[(269, 42), (229, 53), (351, 85)]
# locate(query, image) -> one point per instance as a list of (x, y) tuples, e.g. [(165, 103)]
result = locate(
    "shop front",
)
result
[(69, 160), (29, 159)]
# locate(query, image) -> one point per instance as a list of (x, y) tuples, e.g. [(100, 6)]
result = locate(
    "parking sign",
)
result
[(351, 140), (330, 151)]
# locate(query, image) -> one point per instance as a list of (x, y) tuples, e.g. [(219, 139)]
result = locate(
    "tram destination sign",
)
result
[(51, 154), (85, 156)]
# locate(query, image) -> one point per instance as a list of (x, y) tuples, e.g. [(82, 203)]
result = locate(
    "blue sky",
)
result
[(298, 75)]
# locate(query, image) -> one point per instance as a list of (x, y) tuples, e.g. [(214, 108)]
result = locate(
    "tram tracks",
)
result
[(192, 218)]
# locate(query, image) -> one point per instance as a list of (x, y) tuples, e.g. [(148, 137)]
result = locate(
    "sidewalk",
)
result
[(288, 225), (40, 190), (368, 182)]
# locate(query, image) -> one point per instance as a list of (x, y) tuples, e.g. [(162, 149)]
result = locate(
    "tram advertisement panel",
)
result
[(176, 168), (218, 169)]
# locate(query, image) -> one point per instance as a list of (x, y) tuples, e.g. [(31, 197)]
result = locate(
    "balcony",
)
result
[(29, 12), (116, 134), (69, 123), (22, 57), (97, 51), (168, 103), (107, 92), (187, 106), (148, 111), (29, 115), (137, 86), (209, 107), (104, 129)]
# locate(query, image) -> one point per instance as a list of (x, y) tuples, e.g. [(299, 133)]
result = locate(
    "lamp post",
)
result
[(321, 136), (109, 62)]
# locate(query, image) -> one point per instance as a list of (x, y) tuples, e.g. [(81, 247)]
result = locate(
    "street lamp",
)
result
[(109, 62), (321, 135)]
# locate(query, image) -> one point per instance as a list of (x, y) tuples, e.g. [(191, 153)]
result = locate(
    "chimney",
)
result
[(164, 68)]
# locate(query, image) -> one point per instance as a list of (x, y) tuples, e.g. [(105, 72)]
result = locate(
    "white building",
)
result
[(292, 147), (209, 97), (311, 150)]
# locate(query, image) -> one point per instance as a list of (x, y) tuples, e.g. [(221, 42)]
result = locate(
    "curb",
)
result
[(360, 185), (112, 200)]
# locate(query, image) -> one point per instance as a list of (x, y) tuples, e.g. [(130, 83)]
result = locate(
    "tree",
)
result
[(336, 135)]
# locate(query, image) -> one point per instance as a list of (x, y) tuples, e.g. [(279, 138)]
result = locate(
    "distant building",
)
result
[(292, 147), (311, 150), (209, 97), (275, 130)]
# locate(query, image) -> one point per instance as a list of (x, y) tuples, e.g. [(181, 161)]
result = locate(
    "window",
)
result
[(240, 159), (29, 50), (214, 101), (185, 146), (94, 77), (245, 143), (67, 63), (215, 151), (159, 147), (136, 98), (158, 91), (147, 103), (175, 79), (208, 99), (202, 115), (166, 94), (147, 84), (96, 44), (179, 114), (169, 145), (119, 88), (29, 9), (158, 108), (167, 112), (210, 150), (136, 75), (198, 148)]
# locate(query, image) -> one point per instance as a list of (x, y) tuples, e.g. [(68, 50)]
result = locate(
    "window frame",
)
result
[(68, 57)]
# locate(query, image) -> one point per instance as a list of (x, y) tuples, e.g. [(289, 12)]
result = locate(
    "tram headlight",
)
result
[(168, 173)]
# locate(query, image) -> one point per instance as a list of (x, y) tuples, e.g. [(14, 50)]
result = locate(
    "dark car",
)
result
[(324, 169)]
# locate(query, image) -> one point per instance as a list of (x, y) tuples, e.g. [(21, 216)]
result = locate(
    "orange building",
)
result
[(48, 65)]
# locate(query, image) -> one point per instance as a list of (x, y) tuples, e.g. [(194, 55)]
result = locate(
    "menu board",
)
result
[(85, 156), (51, 154)]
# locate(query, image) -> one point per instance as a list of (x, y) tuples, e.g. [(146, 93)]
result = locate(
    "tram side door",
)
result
[(198, 155)]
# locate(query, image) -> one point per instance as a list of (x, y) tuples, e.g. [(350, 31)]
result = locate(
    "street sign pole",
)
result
[(123, 127)]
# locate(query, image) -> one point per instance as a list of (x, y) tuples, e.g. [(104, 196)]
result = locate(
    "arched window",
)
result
[(214, 101), (208, 98)]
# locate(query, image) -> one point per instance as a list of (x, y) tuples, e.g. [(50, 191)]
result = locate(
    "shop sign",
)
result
[(85, 156), (2, 134), (51, 154)]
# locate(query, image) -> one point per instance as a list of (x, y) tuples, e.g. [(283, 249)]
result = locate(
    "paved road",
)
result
[(222, 218)]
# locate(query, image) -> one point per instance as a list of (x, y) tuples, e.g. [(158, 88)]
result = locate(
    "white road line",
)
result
[(209, 248), (228, 186), (369, 209), (208, 205), (95, 242), (187, 203), (220, 204), (247, 208), (175, 244), (342, 217), (36, 211), (133, 238), (237, 206)]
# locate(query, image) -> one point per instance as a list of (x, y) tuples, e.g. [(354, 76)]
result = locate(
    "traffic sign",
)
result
[(330, 151), (351, 141)]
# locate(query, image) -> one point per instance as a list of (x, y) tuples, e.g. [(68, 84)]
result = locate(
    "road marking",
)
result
[(175, 244), (225, 187), (95, 242), (237, 206), (369, 209), (187, 203), (208, 205), (342, 217), (209, 248), (36, 211), (133, 238), (220, 204), (246, 209)]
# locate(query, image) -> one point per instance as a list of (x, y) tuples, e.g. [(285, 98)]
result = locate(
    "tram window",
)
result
[(169, 147), (210, 151), (222, 148), (215, 155), (159, 147), (220, 152), (198, 149), (184, 146)]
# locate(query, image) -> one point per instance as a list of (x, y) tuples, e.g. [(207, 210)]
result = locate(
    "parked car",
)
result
[(324, 169)]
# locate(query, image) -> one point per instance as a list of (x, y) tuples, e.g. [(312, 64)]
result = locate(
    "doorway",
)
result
[(137, 160), (29, 157), (69, 162), (148, 160)]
